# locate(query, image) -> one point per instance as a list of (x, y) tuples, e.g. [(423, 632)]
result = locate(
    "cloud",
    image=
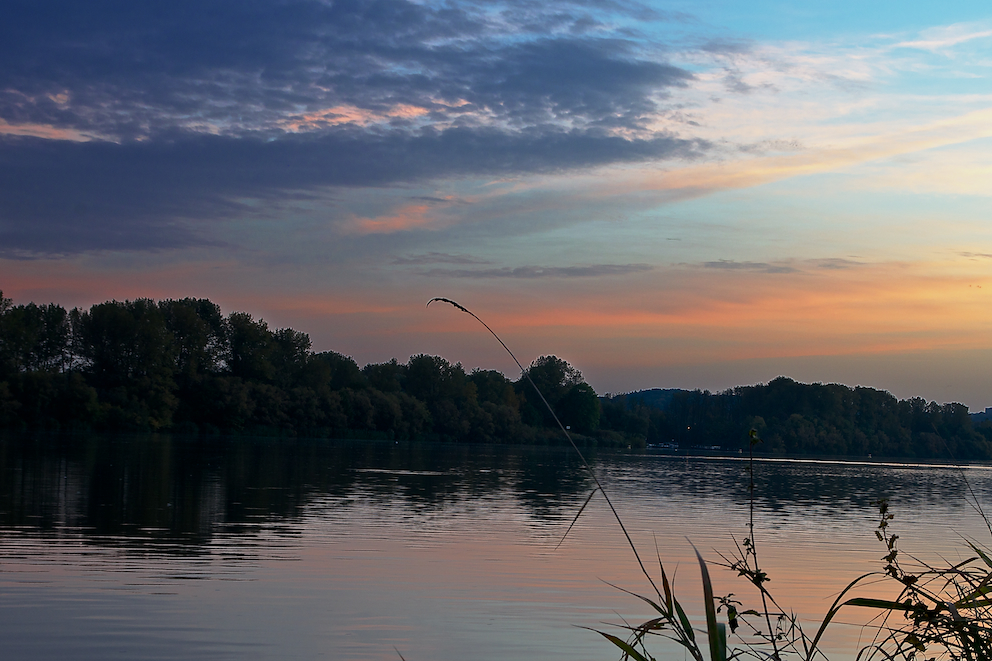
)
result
[(190, 112), (58, 196), (734, 82), (761, 267), (437, 258), (533, 272), (835, 263), (845, 153), (726, 46), (410, 217), (234, 67), (785, 266), (945, 37), (42, 131)]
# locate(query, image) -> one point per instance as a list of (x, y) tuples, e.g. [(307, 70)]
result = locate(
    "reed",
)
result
[(940, 612)]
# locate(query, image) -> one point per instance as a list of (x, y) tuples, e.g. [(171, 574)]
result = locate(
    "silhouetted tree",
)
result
[(335, 371), (553, 377), (130, 357), (34, 338), (198, 335), (250, 348), (387, 377), (580, 409)]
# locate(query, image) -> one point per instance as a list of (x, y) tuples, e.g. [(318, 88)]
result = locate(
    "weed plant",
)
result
[(939, 611)]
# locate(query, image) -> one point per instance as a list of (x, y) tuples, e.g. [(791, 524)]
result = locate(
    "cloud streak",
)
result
[(437, 258), (64, 197), (761, 267), (537, 272), (941, 39)]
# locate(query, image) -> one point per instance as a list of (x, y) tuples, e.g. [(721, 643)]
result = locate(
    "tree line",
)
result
[(805, 419), (182, 366)]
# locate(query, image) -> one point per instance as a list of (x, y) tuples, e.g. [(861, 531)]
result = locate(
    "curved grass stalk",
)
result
[(672, 614), (585, 464)]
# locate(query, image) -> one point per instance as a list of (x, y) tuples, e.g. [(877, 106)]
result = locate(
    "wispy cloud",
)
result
[(437, 258), (46, 131), (835, 263), (845, 153), (761, 267), (534, 272), (783, 266), (945, 37), (409, 217), (157, 194)]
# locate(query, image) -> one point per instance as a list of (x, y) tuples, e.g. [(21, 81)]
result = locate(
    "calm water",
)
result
[(167, 549)]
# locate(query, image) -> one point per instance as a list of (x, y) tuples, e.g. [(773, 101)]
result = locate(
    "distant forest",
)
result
[(180, 366)]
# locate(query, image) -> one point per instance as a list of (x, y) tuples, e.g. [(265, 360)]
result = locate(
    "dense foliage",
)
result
[(182, 366), (797, 418)]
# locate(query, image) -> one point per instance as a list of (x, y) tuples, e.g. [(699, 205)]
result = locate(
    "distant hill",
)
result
[(982, 415), (656, 398)]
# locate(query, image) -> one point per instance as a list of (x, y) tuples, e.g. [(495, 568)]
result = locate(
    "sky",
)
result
[(665, 194)]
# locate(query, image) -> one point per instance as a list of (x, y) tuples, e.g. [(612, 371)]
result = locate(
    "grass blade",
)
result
[(686, 625), (984, 556), (648, 601), (668, 589), (628, 649), (577, 515), (882, 604), (718, 642)]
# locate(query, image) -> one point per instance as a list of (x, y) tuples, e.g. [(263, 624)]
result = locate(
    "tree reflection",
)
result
[(181, 493)]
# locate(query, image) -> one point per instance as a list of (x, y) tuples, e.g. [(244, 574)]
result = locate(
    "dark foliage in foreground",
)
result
[(182, 366)]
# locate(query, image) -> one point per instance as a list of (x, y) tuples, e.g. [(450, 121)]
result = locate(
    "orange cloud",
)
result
[(347, 114), (43, 131), (408, 217)]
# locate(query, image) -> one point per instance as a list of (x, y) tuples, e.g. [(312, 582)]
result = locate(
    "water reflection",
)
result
[(781, 484), (161, 488)]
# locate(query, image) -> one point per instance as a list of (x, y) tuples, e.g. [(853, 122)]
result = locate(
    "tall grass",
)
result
[(939, 612)]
